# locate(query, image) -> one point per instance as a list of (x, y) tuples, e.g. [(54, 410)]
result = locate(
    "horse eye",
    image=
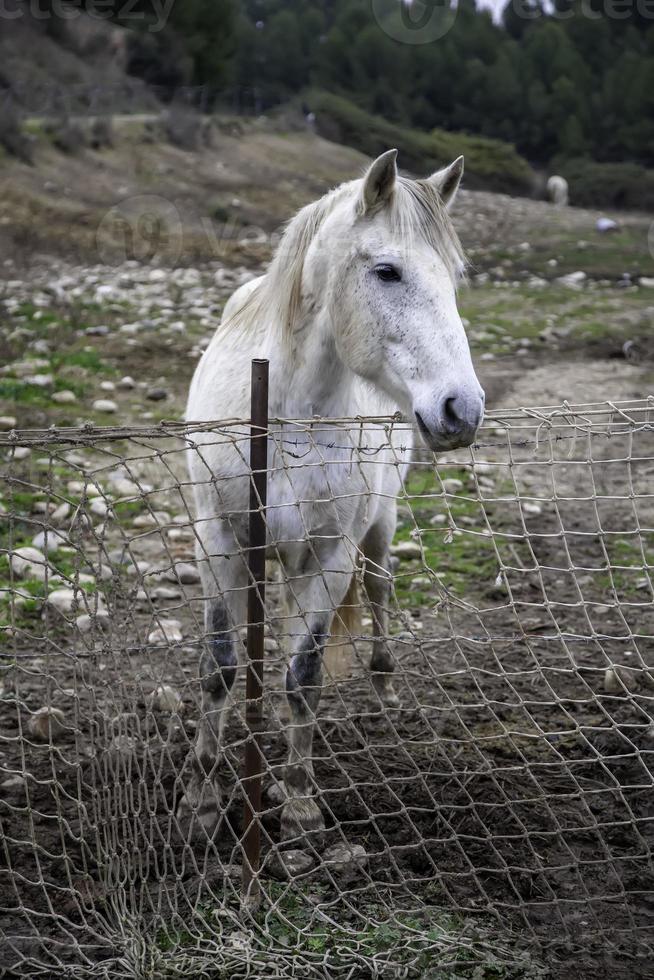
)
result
[(387, 273)]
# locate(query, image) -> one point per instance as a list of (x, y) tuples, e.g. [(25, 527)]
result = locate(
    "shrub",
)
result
[(490, 164), (102, 133), (608, 185), (186, 128), (67, 136), (12, 137)]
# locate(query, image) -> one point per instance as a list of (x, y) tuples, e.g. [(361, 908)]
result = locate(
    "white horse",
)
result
[(557, 191), (357, 315)]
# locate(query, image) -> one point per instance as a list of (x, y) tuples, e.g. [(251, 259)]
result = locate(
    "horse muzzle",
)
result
[(452, 422)]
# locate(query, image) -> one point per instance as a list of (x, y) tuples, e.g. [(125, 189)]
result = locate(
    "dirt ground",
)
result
[(507, 802)]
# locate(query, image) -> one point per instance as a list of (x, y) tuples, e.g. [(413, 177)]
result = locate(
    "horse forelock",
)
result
[(415, 212)]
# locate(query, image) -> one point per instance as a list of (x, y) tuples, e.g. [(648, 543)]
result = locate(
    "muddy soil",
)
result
[(512, 785)]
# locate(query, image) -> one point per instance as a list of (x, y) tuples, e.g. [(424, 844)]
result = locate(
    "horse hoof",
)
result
[(200, 809), (290, 864), (303, 822), (386, 693), (276, 794)]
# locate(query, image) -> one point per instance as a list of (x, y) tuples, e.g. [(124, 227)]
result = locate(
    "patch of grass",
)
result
[(88, 360), (404, 944), (499, 318), (452, 550)]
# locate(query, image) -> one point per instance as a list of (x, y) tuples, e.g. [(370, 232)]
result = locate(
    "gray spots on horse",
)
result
[(219, 661), (304, 674)]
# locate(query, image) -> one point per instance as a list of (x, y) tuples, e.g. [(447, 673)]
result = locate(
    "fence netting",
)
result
[(498, 819)]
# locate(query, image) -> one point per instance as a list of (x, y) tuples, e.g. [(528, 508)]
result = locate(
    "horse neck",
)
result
[(312, 380)]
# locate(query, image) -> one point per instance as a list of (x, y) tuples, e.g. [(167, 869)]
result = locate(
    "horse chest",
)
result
[(322, 501)]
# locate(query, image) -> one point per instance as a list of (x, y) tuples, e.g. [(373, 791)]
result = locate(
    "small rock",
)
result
[(99, 507), (166, 592), (631, 351), (574, 280), (529, 507), (49, 541), (61, 513), (606, 224), (289, 864), (168, 631), (7, 422), (406, 549), (63, 600), (104, 405), (20, 452), (180, 534), (28, 563), (40, 380), (107, 386), (184, 573), (13, 782), (156, 394), (647, 282), (47, 724), (345, 858), (126, 488), (127, 383), (64, 397), (155, 519), (452, 485), (618, 679), (100, 331), (86, 623), (138, 568), (437, 519), (166, 698)]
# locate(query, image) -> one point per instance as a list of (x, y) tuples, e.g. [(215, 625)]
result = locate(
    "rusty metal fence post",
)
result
[(250, 889)]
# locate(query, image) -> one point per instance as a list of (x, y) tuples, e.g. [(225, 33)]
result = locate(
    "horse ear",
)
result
[(447, 181), (379, 181)]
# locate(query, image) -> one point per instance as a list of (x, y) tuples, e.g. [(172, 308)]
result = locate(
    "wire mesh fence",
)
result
[(492, 813)]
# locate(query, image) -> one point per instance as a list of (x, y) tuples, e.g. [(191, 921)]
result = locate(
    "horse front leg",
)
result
[(224, 582), (377, 582), (315, 596)]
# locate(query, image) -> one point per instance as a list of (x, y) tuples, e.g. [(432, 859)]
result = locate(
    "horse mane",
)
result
[(416, 212)]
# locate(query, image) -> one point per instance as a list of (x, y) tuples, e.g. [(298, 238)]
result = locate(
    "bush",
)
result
[(12, 138), (67, 136), (186, 128), (102, 133), (490, 164), (608, 185)]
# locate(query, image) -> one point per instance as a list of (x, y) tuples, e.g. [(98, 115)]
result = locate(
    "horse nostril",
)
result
[(451, 418)]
